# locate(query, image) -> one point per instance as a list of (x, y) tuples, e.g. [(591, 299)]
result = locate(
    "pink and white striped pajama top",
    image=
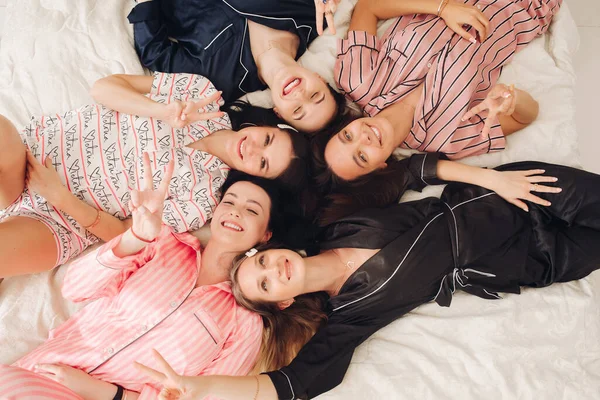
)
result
[(457, 74), (144, 301)]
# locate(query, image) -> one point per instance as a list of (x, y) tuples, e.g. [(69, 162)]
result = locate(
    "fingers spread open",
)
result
[(541, 178), (464, 34), (148, 184), (546, 189), (152, 373), (164, 365), (475, 110), (520, 204), (330, 23), (164, 184), (537, 200), (319, 19), (530, 172)]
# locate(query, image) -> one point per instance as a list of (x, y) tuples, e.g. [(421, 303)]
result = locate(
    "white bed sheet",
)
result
[(544, 343)]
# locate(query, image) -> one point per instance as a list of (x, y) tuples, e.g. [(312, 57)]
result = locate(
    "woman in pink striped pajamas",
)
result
[(154, 288), (430, 83), (69, 185)]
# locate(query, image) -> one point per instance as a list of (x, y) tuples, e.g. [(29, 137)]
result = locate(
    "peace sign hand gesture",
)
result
[(180, 114), (147, 205), (325, 8), (501, 100), (175, 386)]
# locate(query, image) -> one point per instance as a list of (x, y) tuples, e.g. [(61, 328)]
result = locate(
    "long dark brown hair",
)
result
[(244, 114), (285, 331), (341, 197)]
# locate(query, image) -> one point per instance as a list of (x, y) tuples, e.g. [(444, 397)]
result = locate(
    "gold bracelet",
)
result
[(443, 6), (257, 387), (96, 221), (440, 8)]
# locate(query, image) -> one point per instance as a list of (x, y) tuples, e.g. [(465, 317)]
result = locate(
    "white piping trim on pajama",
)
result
[(289, 383), (423, 169), (396, 270), (455, 228), (265, 17), (476, 198), (241, 63), (215, 38), (408, 252), (492, 294)]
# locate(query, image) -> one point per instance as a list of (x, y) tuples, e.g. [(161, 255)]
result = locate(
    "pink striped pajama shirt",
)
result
[(144, 301), (456, 74), (97, 153)]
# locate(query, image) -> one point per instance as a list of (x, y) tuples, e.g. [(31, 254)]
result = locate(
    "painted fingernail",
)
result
[(558, 190), (554, 179), (472, 40), (463, 118), (548, 203)]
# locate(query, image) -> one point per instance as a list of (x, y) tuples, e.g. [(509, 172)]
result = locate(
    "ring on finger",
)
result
[(534, 187), (329, 12)]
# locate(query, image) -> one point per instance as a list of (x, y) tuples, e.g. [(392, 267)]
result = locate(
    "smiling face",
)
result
[(261, 151), (360, 148), (302, 99), (241, 219), (272, 276)]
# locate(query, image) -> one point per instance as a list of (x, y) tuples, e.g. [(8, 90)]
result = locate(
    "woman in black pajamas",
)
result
[(379, 264), (243, 46)]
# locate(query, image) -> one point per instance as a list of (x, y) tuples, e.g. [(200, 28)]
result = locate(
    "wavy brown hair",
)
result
[(285, 331)]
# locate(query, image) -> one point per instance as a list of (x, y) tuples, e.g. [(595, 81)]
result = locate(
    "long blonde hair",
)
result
[(285, 331)]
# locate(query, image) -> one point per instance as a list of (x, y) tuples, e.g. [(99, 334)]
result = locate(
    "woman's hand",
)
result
[(175, 386), (147, 205), (77, 380), (457, 14), (179, 114), (44, 180), (515, 186), (325, 8), (501, 100)]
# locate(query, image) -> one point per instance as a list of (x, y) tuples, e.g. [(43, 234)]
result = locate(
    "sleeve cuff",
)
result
[(149, 10), (107, 258), (424, 166), (283, 385)]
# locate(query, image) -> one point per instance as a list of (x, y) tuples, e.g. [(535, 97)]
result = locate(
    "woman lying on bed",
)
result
[(243, 46), (69, 185), (428, 84), (380, 264), (148, 284)]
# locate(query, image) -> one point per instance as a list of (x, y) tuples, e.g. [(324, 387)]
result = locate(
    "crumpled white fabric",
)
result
[(543, 344)]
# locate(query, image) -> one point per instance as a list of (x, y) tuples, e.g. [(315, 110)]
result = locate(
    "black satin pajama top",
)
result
[(210, 37), (470, 240)]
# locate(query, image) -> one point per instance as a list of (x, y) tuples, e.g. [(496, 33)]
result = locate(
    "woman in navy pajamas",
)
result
[(242, 46)]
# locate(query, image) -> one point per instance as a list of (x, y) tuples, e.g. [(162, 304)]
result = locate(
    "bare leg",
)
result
[(12, 163), (18, 238)]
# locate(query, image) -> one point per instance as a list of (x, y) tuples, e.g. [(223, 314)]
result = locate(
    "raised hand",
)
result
[(515, 186), (501, 100), (179, 114), (457, 14), (147, 205), (175, 386), (325, 8)]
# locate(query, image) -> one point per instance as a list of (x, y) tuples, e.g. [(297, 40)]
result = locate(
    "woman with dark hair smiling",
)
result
[(66, 178)]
